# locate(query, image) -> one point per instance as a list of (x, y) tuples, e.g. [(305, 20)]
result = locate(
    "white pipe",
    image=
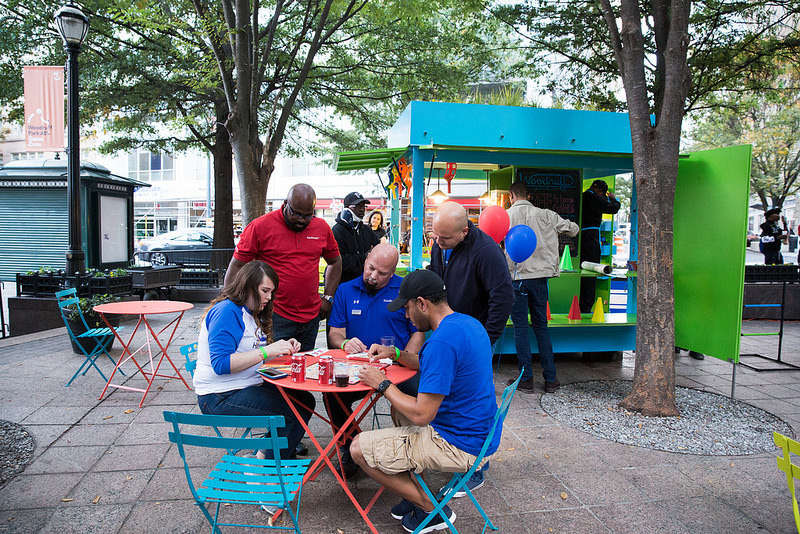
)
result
[(596, 267)]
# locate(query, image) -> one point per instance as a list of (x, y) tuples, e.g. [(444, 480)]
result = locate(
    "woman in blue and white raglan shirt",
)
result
[(235, 340)]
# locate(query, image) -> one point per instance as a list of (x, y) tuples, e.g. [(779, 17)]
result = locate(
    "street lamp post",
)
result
[(73, 25)]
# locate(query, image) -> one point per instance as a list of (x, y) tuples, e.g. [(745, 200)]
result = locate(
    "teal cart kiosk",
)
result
[(558, 153)]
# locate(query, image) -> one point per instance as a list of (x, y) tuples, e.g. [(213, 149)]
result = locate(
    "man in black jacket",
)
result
[(355, 238), (595, 201), (473, 268)]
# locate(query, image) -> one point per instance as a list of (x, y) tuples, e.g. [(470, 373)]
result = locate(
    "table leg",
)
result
[(369, 399), (154, 369), (127, 354), (122, 358)]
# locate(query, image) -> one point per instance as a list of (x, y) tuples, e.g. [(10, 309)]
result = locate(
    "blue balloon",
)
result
[(520, 243)]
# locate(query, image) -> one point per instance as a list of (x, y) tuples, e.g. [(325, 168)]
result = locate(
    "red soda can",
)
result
[(325, 370), (298, 368)]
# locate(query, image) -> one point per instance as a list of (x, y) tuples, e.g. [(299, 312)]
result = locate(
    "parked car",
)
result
[(182, 247)]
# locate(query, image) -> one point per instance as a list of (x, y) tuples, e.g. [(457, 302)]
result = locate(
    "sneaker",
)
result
[(551, 387), (401, 509), (416, 516), (697, 355), (271, 509), (348, 466), (301, 449), (524, 385), (474, 482)]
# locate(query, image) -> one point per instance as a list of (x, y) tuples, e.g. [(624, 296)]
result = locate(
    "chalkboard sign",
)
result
[(558, 190)]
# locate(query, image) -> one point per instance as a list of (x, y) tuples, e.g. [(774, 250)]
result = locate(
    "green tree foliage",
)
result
[(167, 76), (769, 120), (315, 62)]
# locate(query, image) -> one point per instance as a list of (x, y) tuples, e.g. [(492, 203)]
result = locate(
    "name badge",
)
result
[(355, 312)]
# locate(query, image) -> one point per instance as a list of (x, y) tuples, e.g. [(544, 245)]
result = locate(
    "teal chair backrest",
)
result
[(66, 297), (186, 350)]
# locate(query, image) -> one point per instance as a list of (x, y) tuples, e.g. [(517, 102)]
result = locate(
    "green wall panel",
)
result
[(710, 225)]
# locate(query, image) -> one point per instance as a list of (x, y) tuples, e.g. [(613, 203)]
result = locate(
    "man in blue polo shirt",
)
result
[(359, 319)]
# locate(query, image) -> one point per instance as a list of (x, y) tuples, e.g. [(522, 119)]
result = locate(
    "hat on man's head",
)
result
[(601, 185), (420, 283), (773, 211), (354, 198)]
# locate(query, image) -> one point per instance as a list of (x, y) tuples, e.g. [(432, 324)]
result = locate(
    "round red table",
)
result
[(396, 373), (144, 308)]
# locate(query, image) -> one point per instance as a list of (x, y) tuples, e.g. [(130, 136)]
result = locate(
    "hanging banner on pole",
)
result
[(44, 108)]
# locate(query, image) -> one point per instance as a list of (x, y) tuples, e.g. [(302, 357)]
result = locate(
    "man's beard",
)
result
[(371, 285)]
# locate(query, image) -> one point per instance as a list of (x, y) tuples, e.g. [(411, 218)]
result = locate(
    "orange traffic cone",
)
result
[(597, 314), (549, 317), (574, 310)]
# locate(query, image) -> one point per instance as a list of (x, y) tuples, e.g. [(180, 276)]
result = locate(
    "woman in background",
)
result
[(376, 223), (235, 340)]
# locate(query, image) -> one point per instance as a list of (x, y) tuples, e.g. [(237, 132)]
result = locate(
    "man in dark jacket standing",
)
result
[(476, 276), (355, 239), (473, 268)]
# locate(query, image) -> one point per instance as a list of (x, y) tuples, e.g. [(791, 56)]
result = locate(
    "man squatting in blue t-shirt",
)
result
[(446, 424)]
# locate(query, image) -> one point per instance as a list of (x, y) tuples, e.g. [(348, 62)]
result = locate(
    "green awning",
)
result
[(367, 159)]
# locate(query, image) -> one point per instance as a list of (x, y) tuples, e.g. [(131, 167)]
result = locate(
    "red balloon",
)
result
[(494, 221)]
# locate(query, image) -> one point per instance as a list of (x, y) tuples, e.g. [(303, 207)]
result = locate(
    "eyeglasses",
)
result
[(298, 215)]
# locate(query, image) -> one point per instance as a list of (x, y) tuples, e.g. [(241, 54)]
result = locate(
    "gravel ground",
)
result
[(16, 450), (708, 424)]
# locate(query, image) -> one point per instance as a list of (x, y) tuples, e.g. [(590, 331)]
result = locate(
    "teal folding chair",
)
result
[(99, 336), (186, 350), (459, 480), (272, 483)]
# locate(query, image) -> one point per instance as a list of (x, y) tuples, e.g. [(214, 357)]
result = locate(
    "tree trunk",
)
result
[(653, 391), (655, 149), (223, 192)]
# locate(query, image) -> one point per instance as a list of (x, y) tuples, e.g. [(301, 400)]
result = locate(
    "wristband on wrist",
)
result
[(344, 343), (396, 354), (264, 354)]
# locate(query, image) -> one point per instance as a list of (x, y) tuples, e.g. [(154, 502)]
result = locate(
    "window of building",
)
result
[(150, 166)]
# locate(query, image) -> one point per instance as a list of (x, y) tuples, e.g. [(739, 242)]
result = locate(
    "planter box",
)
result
[(111, 285), (771, 273), (150, 277), (43, 285), (205, 278)]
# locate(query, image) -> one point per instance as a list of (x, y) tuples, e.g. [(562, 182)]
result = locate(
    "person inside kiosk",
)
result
[(595, 201)]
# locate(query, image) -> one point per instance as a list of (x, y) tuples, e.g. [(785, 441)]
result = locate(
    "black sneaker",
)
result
[(301, 449), (401, 509), (524, 385), (475, 481), (697, 355), (348, 466), (552, 387), (416, 516)]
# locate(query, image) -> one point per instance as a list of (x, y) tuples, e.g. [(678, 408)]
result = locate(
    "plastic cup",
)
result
[(387, 341), (341, 374)]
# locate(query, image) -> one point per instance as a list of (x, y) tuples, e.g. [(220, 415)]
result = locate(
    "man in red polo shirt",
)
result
[(292, 241)]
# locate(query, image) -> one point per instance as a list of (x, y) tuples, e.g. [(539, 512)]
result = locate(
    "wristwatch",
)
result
[(383, 386), (327, 297)]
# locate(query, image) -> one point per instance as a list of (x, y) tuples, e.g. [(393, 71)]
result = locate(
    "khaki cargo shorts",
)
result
[(412, 448)]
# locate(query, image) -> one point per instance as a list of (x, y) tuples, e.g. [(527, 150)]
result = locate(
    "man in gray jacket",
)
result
[(530, 284)]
